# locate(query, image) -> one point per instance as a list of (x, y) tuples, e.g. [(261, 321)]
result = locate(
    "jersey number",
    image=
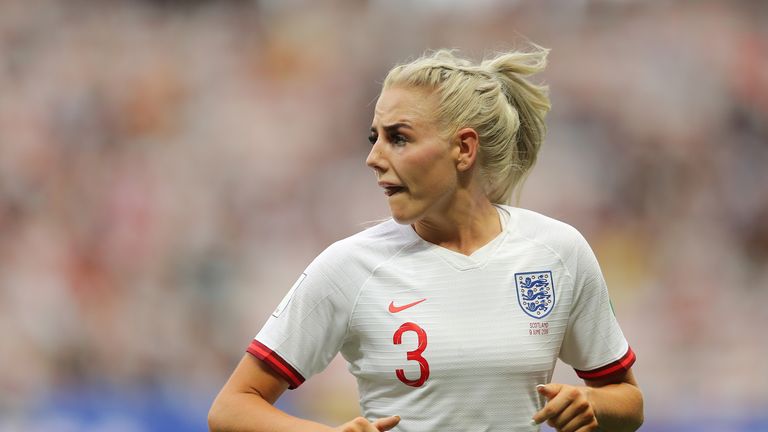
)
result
[(414, 355)]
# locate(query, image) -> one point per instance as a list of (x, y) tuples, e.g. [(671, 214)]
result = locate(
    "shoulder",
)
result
[(383, 239), (358, 255), (557, 238), (547, 230)]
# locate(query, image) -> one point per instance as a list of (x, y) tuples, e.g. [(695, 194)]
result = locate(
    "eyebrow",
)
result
[(393, 127)]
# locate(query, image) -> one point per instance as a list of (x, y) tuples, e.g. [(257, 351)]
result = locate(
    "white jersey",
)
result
[(446, 341)]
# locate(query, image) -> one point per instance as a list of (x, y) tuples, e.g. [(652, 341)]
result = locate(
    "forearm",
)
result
[(618, 407), (249, 412)]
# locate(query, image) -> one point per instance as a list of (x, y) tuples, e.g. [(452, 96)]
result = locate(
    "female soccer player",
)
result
[(453, 313)]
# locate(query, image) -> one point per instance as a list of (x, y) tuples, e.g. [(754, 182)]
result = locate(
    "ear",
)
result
[(468, 146)]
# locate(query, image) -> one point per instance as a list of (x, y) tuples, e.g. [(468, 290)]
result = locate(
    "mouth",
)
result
[(393, 190)]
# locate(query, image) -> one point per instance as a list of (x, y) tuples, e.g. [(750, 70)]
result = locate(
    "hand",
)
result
[(362, 425), (567, 409)]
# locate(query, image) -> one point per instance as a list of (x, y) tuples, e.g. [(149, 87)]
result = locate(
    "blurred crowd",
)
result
[(168, 168)]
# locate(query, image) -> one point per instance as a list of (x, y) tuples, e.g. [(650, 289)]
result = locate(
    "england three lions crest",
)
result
[(535, 293)]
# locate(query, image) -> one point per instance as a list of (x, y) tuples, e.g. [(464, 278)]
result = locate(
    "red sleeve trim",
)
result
[(277, 363), (621, 365)]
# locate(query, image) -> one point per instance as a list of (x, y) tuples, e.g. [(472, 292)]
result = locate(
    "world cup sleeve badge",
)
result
[(535, 293)]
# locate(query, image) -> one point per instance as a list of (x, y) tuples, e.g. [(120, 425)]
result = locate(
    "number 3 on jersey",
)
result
[(414, 355)]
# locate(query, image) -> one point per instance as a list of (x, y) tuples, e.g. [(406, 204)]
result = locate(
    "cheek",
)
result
[(429, 155), (430, 166)]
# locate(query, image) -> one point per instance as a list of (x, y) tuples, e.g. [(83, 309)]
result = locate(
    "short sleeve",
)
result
[(594, 344), (307, 329)]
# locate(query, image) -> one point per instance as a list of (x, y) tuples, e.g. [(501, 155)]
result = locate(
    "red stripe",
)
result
[(621, 365), (282, 367)]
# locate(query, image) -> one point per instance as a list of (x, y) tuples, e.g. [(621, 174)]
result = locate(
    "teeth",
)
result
[(391, 190)]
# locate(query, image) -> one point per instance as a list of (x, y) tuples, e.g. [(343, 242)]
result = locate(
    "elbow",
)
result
[(634, 423), (215, 418), (639, 416), (213, 421)]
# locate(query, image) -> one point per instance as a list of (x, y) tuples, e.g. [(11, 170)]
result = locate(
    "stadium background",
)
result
[(168, 168)]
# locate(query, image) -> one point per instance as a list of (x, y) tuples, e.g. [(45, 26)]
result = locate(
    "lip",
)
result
[(391, 188)]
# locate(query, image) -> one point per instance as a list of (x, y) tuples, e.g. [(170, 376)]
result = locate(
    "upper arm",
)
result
[(255, 377), (593, 344)]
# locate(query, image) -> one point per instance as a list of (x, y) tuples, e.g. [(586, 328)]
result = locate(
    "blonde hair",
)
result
[(496, 100)]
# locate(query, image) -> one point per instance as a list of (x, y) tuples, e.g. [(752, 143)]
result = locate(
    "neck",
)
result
[(466, 227)]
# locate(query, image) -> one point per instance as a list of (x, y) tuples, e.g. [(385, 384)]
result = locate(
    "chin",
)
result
[(403, 221), (404, 217)]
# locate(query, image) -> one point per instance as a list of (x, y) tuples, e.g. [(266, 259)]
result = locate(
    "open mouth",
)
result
[(392, 190)]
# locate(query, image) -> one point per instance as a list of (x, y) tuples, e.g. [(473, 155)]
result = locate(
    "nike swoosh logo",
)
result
[(396, 309)]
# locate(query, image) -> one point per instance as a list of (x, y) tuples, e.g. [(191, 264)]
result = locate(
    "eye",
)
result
[(372, 138), (398, 139)]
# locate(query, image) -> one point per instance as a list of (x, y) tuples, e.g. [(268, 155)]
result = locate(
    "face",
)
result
[(414, 164)]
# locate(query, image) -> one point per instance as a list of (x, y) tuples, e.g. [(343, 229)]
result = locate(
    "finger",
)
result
[(549, 391), (556, 405), (359, 424), (591, 427), (579, 424), (577, 415), (387, 423)]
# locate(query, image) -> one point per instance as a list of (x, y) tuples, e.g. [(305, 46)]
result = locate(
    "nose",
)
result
[(376, 159)]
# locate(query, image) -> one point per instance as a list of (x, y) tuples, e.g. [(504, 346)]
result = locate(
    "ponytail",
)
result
[(532, 104)]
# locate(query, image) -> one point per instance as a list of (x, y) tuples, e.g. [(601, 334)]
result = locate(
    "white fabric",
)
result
[(484, 353)]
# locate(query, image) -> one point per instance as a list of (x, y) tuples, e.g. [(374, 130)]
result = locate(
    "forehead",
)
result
[(398, 104)]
